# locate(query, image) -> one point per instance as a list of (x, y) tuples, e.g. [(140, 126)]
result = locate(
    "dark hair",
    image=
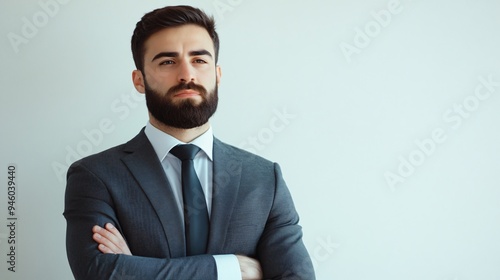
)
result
[(170, 16)]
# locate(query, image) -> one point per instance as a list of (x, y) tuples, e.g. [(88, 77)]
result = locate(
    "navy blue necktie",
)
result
[(195, 207)]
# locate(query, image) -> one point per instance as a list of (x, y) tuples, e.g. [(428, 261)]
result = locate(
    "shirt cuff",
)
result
[(228, 267)]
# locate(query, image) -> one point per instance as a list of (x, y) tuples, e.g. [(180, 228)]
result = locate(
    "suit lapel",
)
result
[(144, 165), (226, 182)]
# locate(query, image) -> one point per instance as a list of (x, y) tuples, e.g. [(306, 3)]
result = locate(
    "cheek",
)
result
[(209, 79), (159, 82)]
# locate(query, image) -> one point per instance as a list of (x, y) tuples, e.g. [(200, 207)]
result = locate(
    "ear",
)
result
[(218, 74), (138, 80)]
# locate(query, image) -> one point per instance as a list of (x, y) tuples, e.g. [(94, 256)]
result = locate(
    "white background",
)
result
[(351, 118)]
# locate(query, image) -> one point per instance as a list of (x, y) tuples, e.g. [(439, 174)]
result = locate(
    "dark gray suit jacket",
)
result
[(252, 214)]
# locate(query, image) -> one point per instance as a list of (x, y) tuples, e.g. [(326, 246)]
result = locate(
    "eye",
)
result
[(167, 62), (199, 60)]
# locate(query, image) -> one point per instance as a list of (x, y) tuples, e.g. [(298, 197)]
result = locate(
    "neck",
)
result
[(181, 134)]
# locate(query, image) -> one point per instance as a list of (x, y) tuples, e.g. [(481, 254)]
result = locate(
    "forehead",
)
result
[(180, 39)]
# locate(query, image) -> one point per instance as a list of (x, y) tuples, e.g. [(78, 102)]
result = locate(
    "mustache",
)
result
[(183, 86)]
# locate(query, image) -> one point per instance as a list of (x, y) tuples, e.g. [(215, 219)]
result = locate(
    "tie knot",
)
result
[(185, 151)]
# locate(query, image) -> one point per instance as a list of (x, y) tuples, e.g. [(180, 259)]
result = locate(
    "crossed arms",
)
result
[(270, 237), (111, 242)]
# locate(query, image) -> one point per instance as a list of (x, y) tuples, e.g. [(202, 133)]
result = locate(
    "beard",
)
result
[(185, 113)]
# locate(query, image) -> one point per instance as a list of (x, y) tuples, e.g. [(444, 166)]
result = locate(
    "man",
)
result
[(142, 211)]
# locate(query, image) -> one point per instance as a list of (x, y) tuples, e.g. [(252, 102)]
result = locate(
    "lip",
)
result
[(186, 93)]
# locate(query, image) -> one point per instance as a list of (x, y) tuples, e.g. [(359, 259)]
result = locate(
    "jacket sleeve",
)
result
[(281, 251), (88, 203)]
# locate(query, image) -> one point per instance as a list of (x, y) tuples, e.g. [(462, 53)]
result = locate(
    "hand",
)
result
[(110, 240), (250, 268)]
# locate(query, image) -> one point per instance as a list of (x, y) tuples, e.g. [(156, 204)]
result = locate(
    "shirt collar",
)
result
[(162, 142)]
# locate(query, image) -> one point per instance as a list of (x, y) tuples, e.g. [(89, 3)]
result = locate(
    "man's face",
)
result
[(180, 77)]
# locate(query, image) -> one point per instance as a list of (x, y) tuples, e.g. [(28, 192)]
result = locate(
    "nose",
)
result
[(186, 73)]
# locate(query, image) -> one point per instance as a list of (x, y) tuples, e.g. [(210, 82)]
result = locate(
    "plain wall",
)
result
[(384, 116)]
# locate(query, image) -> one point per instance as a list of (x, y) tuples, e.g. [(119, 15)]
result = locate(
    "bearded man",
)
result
[(175, 202)]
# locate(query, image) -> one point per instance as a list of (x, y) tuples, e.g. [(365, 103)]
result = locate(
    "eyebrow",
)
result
[(176, 54)]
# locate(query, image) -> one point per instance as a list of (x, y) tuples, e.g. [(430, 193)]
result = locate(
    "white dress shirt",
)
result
[(228, 267)]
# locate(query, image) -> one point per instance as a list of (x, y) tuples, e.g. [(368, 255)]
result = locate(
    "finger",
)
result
[(112, 229), (106, 244), (104, 249), (111, 236), (106, 238), (119, 241), (117, 237)]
